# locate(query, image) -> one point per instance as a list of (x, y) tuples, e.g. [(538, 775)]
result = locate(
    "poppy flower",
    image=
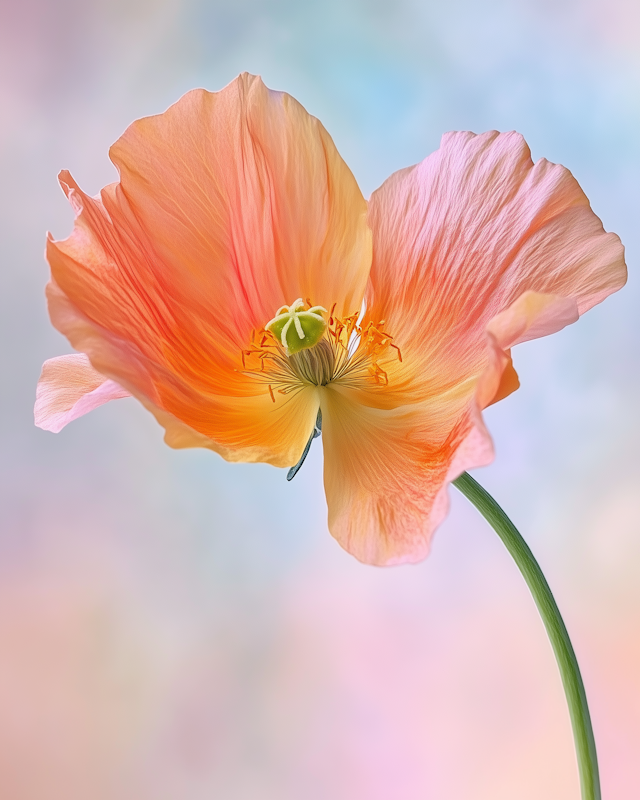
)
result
[(238, 284)]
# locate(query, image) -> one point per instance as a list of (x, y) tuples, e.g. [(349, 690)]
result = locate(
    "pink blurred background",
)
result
[(172, 626)]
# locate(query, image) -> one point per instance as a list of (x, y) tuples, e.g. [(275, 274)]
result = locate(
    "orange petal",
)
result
[(68, 388), (251, 428), (230, 205), (248, 204), (387, 468), (384, 470)]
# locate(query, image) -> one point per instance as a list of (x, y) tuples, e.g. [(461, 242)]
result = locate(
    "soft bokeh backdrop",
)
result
[(175, 627)]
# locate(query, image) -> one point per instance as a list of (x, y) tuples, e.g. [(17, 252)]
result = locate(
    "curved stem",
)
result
[(566, 658)]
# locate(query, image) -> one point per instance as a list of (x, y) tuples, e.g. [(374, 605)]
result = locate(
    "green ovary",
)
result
[(297, 328)]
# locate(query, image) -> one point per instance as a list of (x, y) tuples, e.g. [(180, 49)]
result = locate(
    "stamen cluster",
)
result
[(347, 354)]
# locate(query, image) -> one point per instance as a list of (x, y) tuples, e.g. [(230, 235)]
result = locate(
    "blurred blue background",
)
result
[(173, 626)]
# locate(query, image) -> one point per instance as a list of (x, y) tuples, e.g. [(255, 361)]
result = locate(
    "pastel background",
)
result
[(173, 627)]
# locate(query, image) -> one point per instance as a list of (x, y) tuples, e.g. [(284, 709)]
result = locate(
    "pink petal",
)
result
[(461, 236), (68, 388), (475, 250)]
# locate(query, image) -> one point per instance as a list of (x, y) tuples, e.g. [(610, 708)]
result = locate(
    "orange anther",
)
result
[(395, 346), (377, 372), (352, 322), (271, 393)]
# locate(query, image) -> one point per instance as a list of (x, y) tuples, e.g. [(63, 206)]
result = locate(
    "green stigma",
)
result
[(296, 328)]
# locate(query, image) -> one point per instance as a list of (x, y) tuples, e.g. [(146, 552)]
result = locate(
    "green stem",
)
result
[(566, 658)]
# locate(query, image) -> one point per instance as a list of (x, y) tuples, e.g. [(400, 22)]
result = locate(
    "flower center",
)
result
[(304, 345)]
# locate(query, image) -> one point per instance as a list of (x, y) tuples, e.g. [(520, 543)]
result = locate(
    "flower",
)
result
[(237, 283)]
